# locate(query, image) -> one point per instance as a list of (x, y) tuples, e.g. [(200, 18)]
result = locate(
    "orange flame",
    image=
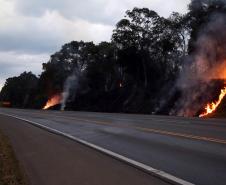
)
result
[(211, 107), (54, 100)]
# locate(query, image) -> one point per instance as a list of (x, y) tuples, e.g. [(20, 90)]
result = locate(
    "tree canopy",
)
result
[(134, 72)]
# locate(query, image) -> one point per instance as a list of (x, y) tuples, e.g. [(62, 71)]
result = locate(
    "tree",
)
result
[(149, 46), (20, 90), (135, 34), (72, 56), (102, 72)]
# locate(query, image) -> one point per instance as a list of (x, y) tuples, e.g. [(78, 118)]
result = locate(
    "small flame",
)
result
[(54, 100), (211, 107)]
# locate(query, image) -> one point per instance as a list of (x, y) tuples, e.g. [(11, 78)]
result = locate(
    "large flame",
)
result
[(211, 107), (54, 100)]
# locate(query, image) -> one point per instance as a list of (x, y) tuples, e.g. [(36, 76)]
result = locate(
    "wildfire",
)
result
[(54, 100), (211, 107)]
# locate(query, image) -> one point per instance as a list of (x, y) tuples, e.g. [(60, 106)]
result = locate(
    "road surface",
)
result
[(192, 149), (49, 159)]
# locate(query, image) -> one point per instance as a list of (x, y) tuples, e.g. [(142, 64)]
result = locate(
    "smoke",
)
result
[(206, 64), (70, 88)]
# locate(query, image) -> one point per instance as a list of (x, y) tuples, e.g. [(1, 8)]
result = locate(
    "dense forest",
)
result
[(152, 65)]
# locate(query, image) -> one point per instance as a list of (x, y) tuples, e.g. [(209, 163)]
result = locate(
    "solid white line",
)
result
[(158, 173)]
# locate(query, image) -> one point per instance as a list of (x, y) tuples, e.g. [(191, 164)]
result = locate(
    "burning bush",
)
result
[(52, 101)]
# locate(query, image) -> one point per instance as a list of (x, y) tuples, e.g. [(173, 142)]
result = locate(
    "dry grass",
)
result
[(10, 173), (221, 110)]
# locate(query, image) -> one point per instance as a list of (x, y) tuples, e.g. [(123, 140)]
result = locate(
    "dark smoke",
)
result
[(206, 64)]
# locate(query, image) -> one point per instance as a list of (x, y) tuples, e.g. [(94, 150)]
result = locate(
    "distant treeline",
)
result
[(132, 73)]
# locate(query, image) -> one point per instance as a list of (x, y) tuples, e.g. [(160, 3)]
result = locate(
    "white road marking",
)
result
[(158, 173)]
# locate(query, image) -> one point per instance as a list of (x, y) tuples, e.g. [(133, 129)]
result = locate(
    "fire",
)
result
[(54, 100), (211, 107)]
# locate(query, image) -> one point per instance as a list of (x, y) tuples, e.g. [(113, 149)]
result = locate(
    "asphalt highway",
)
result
[(50, 159), (193, 149)]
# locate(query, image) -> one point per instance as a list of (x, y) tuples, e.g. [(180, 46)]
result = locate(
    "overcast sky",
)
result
[(31, 30)]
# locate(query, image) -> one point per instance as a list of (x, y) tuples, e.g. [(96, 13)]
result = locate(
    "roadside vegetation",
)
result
[(151, 65), (10, 172), (220, 113)]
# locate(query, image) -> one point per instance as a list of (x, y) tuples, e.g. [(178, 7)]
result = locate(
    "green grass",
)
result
[(10, 172)]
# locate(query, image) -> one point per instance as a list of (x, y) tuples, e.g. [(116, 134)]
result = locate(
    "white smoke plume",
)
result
[(70, 88)]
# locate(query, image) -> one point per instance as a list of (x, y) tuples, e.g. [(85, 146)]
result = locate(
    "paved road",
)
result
[(192, 149), (49, 159)]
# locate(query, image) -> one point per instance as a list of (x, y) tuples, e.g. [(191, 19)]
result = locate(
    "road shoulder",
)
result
[(11, 173), (52, 159)]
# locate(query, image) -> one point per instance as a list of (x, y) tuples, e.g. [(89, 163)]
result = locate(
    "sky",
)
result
[(32, 30)]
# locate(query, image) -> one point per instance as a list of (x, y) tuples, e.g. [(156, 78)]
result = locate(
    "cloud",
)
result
[(101, 11), (46, 33), (16, 63), (13, 64), (38, 28)]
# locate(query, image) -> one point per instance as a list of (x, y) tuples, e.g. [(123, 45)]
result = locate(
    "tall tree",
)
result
[(73, 56), (154, 43), (19, 91)]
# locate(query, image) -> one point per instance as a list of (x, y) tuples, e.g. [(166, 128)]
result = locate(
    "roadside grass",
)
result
[(10, 172)]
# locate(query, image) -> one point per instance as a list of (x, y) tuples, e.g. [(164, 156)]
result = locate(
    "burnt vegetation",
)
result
[(137, 72)]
